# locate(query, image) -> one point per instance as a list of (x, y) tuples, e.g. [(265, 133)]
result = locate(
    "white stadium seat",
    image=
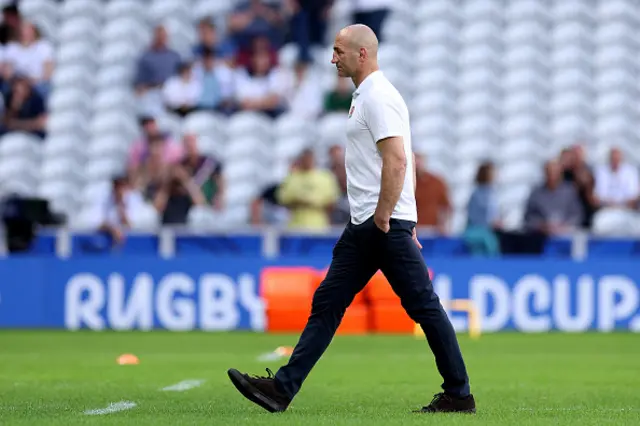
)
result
[(485, 79)]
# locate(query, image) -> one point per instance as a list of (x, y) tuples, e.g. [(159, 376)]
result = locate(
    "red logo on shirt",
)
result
[(351, 110)]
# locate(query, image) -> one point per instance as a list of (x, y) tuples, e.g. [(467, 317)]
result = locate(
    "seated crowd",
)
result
[(26, 67), (240, 69)]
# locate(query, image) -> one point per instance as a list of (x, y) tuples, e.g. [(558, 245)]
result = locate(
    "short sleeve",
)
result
[(383, 117)]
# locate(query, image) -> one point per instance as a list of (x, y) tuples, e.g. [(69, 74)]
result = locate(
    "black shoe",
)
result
[(260, 390), (443, 403)]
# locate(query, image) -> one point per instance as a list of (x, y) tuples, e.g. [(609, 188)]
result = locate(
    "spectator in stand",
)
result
[(182, 92), (308, 24), (618, 183), (119, 212), (372, 13), (309, 193), (253, 18), (171, 151), (267, 210), (10, 26), (303, 94), (432, 198), (217, 82), (196, 180), (576, 171), (24, 109), (617, 195), (209, 40), (153, 170), (554, 207), (31, 56), (339, 99), (261, 88), (259, 45), (483, 216), (157, 63)]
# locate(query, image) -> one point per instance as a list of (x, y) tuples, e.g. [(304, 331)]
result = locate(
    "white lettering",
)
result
[(538, 288), (138, 312), (585, 308), (175, 313), (481, 288), (252, 302), (610, 310), (221, 312), (79, 311)]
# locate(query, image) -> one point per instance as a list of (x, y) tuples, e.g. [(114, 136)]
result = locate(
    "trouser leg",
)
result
[(350, 270), (405, 269)]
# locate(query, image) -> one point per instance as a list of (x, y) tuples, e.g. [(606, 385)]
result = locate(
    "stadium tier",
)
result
[(511, 82)]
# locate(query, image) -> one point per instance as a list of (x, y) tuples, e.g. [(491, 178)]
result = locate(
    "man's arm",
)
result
[(394, 167), (534, 219), (574, 210), (415, 172), (386, 123)]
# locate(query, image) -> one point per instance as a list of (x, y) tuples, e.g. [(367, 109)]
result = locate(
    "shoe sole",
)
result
[(252, 393), (471, 411)]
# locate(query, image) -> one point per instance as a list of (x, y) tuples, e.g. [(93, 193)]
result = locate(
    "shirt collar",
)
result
[(367, 82)]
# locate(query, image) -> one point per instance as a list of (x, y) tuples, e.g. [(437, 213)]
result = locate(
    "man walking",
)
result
[(380, 236)]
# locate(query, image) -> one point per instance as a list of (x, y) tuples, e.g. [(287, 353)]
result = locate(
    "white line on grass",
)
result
[(184, 385), (114, 407), (561, 409)]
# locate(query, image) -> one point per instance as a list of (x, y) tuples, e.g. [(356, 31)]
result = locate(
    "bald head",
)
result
[(360, 36), (355, 52)]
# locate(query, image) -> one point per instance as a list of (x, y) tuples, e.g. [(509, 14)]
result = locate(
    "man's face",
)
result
[(567, 159), (306, 161), (336, 153), (120, 187), (616, 158), (553, 173), (345, 57), (261, 63), (21, 88), (150, 128), (190, 145), (160, 37), (208, 35)]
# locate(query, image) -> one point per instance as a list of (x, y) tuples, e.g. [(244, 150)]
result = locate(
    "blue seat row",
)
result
[(292, 245)]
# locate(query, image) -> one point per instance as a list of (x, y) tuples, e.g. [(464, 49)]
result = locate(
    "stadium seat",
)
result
[(513, 82), (123, 8), (75, 75), (81, 8)]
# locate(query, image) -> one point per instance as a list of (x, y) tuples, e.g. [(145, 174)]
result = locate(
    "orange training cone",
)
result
[(128, 359)]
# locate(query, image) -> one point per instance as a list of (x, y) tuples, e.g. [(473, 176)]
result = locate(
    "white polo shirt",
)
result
[(377, 112)]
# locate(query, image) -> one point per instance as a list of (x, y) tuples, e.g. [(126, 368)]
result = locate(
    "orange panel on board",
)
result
[(379, 289), (287, 282), (293, 320), (390, 318), (360, 297)]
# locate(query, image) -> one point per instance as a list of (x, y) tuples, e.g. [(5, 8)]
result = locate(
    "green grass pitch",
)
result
[(52, 378)]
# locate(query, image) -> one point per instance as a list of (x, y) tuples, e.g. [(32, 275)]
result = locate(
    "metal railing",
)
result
[(270, 238)]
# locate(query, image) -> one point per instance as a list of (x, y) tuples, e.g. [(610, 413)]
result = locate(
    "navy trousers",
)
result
[(360, 252)]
